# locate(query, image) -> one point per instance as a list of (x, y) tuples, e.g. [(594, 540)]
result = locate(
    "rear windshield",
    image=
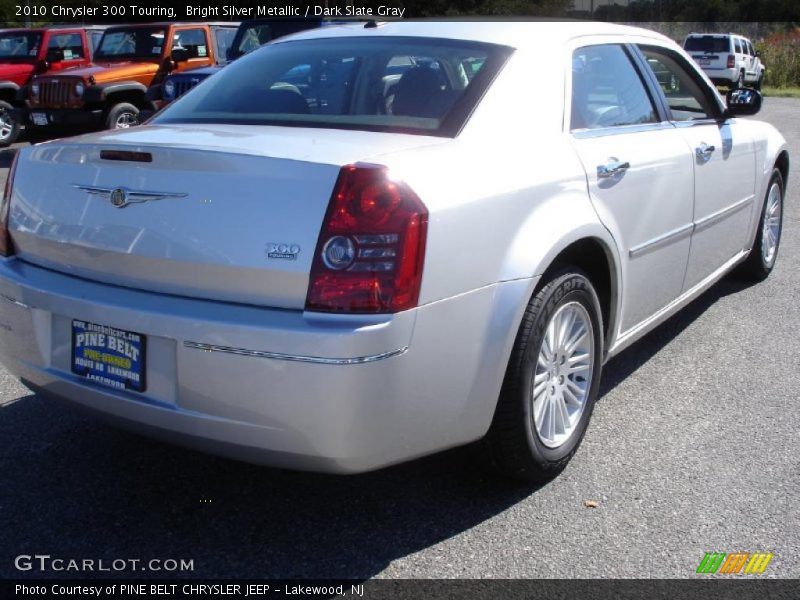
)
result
[(414, 85), (137, 42), (707, 43)]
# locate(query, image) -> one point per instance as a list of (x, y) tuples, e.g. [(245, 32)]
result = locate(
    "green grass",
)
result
[(781, 92)]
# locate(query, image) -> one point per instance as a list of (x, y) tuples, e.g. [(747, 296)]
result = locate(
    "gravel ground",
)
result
[(693, 447)]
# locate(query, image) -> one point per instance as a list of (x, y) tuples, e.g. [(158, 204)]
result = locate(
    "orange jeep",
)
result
[(110, 93)]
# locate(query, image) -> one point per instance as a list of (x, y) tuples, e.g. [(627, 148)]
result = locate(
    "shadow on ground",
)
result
[(75, 488)]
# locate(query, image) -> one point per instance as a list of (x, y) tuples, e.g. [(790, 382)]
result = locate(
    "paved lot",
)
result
[(693, 447)]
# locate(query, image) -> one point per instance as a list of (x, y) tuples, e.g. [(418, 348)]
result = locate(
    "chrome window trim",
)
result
[(620, 129), (321, 360)]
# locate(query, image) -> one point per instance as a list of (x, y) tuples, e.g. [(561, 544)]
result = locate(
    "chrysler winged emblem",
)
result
[(122, 197)]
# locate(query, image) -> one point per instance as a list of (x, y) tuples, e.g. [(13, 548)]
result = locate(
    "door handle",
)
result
[(704, 151), (612, 168)]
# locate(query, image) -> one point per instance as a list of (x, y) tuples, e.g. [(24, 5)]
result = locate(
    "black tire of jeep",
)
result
[(755, 268), (119, 112), (513, 444), (759, 82), (739, 82), (9, 127)]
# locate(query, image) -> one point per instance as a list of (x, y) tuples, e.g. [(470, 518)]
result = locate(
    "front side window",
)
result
[(688, 100), (191, 40), (607, 90), (19, 46), (136, 42), (417, 85), (65, 46)]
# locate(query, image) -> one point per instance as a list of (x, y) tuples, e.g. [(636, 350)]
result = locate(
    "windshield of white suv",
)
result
[(136, 42), (707, 43), (414, 85)]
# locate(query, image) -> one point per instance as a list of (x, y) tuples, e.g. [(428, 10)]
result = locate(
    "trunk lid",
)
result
[(226, 213)]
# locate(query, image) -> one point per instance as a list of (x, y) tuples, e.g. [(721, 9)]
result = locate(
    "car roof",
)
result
[(518, 34)]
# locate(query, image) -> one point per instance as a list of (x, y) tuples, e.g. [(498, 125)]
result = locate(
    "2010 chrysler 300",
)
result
[(364, 244)]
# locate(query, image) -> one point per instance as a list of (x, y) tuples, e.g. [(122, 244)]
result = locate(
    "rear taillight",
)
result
[(731, 61), (371, 249), (6, 249)]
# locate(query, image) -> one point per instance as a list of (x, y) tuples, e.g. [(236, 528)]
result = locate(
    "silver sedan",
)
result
[(359, 244)]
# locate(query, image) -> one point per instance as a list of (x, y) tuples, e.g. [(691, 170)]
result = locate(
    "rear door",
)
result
[(639, 175), (723, 159)]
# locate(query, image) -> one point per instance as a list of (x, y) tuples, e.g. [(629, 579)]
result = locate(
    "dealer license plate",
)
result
[(112, 357), (39, 118)]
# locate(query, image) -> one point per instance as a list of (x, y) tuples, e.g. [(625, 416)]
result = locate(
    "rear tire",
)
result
[(739, 82), (551, 382), (9, 127), (122, 116), (761, 260)]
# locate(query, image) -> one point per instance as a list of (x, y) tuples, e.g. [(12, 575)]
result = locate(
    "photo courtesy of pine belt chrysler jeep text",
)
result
[(366, 243)]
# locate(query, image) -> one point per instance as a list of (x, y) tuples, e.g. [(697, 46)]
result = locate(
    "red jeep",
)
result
[(26, 52)]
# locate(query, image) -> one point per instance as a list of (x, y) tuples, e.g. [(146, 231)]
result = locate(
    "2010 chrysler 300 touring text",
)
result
[(362, 244)]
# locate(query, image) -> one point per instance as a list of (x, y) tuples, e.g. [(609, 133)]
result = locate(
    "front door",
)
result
[(724, 166), (639, 176)]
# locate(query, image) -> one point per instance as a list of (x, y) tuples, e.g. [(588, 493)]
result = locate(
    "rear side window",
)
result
[(253, 37), (224, 37), (738, 46), (95, 37), (19, 45), (708, 44), (415, 85), (607, 90)]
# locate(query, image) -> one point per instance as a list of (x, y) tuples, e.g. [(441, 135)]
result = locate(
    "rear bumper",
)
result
[(305, 391)]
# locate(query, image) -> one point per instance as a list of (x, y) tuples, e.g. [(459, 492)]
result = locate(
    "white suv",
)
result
[(728, 59)]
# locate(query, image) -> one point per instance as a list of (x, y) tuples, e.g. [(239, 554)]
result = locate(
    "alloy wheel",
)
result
[(771, 228), (563, 374)]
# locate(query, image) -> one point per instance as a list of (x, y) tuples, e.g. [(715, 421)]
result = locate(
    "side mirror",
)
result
[(180, 55), (743, 102), (42, 66)]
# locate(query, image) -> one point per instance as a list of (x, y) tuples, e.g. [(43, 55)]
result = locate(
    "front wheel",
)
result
[(764, 253), (122, 116), (551, 382), (9, 127)]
